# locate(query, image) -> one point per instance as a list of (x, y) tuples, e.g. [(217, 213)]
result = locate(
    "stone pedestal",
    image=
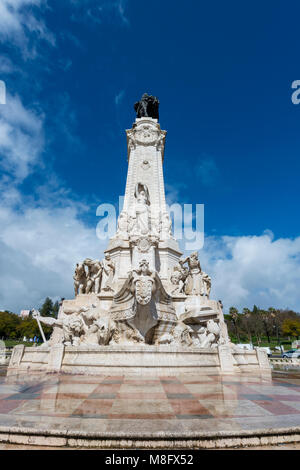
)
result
[(262, 358), (55, 358), (17, 356), (226, 359)]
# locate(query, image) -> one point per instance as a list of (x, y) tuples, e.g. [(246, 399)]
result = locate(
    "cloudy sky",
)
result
[(223, 73)]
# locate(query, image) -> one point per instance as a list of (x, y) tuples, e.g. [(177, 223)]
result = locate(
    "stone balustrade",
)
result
[(284, 362)]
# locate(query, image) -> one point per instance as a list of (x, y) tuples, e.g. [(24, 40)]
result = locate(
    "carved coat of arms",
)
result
[(143, 290)]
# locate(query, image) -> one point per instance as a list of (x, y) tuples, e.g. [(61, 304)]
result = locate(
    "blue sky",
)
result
[(223, 73)]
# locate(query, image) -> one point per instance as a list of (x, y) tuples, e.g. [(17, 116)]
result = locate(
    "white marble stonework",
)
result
[(143, 308)]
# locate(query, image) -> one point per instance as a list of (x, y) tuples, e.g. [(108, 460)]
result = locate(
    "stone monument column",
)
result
[(144, 226)]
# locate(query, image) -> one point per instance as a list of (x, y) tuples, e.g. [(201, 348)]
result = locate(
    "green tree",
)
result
[(265, 317), (28, 327), (233, 312), (8, 324), (257, 324), (46, 309), (247, 322), (55, 309), (291, 327)]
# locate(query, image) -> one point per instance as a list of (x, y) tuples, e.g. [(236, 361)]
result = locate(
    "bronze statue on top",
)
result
[(147, 107)]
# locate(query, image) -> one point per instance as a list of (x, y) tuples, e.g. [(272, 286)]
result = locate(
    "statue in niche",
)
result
[(197, 282), (80, 279), (147, 107), (142, 218), (93, 276), (108, 273)]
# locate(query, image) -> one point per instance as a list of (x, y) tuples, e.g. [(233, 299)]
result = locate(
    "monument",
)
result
[(143, 308)]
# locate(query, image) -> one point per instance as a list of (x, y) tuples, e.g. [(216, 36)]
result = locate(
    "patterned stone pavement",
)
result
[(177, 405)]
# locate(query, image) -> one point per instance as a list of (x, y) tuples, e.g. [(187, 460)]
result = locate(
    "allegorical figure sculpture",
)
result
[(142, 217), (108, 273), (147, 107), (197, 282)]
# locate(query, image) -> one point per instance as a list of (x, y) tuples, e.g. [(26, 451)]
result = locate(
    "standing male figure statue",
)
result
[(94, 275)]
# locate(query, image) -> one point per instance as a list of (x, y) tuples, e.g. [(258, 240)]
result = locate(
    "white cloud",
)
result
[(42, 236), (19, 25), (39, 248), (21, 138), (252, 270)]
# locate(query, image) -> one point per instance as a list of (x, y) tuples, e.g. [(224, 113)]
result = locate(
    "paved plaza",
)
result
[(181, 406)]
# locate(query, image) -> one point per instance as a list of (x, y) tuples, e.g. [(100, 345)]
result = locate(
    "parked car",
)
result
[(291, 353), (268, 351)]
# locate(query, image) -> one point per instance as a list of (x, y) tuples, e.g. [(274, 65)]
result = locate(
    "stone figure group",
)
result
[(147, 107), (190, 280), (206, 336), (141, 311), (90, 326), (81, 326), (94, 276)]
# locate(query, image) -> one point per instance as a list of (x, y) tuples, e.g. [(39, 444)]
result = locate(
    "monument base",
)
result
[(163, 360)]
